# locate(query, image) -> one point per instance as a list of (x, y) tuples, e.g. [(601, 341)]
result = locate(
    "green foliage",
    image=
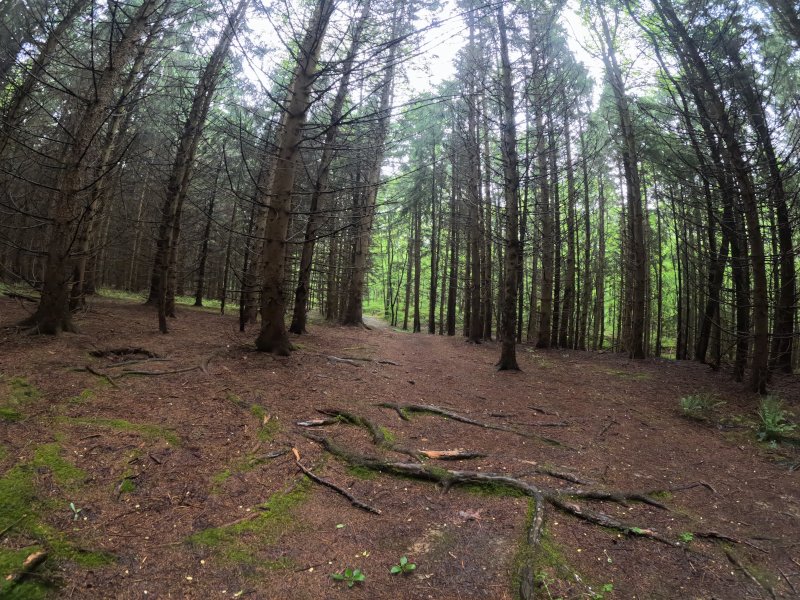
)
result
[(774, 420), (404, 566), (686, 537), (699, 406), (350, 576)]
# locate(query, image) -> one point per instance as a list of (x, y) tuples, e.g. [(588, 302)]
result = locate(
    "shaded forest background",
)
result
[(273, 158)]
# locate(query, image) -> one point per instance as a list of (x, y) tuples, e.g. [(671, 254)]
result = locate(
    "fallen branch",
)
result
[(105, 376), (28, 566), (16, 296), (450, 454), (347, 361), (317, 479), (436, 410), (156, 373)]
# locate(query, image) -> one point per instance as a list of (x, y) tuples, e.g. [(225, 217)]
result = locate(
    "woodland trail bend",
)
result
[(187, 484)]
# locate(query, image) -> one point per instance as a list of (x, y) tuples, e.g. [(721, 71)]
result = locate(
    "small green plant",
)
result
[(76, 512), (606, 588), (774, 420), (698, 406), (403, 566), (686, 537), (351, 576)]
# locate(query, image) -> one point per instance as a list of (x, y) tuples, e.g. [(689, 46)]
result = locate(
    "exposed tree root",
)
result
[(322, 481), (558, 498), (747, 572), (378, 436), (105, 376), (443, 412)]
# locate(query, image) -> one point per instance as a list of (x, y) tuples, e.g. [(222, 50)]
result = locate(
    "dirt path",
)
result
[(185, 485)]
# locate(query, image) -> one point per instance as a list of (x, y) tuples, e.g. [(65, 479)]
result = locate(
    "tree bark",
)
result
[(273, 336), (508, 354)]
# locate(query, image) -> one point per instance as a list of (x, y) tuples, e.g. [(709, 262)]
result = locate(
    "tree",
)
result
[(273, 336)]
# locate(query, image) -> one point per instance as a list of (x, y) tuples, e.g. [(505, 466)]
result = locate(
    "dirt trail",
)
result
[(187, 487)]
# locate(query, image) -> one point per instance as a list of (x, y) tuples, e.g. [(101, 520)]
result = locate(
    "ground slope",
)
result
[(182, 480)]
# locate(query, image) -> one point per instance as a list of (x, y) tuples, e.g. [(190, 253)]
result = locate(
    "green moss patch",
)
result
[(22, 512), (18, 393), (151, 432), (269, 425), (239, 542)]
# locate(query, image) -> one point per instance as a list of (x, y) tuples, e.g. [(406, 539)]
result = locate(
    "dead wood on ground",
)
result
[(443, 412)]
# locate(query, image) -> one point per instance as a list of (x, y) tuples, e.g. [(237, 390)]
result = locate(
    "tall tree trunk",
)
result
[(353, 314), (52, 313), (586, 286), (201, 268), (508, 354), (298, 324), (629, 153), (547, 239), (600, 265), (452, 287), (568, 305), (273, 336), (180, 176), (687, 49), (436, 226)]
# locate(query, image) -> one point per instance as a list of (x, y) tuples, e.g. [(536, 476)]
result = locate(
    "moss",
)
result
[(127, 486), (49, 457), (84, 396), (18, 394), (9, 414), (22, 392), (237, 543), (388, 436), (10, 562), (269, 425), (17, 493), (21, 519), (494, 489), (151, 432), (361, 472)]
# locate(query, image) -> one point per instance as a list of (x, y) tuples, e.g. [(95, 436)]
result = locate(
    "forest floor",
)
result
[(185, 485)]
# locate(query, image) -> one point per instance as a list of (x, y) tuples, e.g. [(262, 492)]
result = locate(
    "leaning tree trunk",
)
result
[(52, 314), (689, 53), (273, 336), (298, 324), (508, 354), (180, 176)]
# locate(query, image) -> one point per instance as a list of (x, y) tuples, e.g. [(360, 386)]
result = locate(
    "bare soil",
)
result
[(185, 485)]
